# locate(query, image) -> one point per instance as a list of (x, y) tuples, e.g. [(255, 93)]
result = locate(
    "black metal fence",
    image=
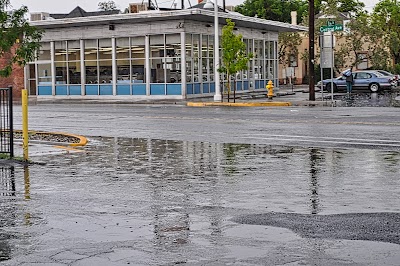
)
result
[(6, 121)]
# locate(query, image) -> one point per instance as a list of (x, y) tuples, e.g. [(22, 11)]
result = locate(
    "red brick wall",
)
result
[(16, 80)]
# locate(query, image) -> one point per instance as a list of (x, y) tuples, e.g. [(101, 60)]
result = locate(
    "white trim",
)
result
[(183, 64), (114, 66), (83, 72), (53, 69), (147, 63), (168, 15)]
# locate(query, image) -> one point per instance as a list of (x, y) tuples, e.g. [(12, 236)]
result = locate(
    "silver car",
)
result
[(363, 80)]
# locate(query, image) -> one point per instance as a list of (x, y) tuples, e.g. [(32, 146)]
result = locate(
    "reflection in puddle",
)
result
[(7, 194), (9, 207), (174, 199), (382, 99)]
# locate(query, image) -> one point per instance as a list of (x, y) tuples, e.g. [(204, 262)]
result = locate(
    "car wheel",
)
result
[(374, 87), (328, 87)]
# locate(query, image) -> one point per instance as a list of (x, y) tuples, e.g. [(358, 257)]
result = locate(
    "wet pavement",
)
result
[(173, 185), (144, 201)]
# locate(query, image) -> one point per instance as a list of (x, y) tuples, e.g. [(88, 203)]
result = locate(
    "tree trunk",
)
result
[(234, 89), (229, 86), (396, 58)]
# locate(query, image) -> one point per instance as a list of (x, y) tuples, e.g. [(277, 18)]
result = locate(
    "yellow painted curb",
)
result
[(82, 140), (255, 104)]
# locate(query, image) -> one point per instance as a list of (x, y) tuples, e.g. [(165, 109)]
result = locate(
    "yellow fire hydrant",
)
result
[(270, 89)]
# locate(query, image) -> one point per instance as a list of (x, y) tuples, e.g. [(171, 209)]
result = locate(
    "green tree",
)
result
[(107, 6), (362, 36), (234, 57), (277, 10), (19, 41), (386, 17), (288, 47), (333, 7)]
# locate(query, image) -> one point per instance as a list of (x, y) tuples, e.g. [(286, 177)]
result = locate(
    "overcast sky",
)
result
[(59, 6)]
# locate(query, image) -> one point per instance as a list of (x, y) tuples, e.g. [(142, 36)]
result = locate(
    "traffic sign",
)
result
[(330, 23), (337, 27)]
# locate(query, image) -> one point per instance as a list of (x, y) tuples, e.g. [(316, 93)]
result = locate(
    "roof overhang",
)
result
[(201, 15)]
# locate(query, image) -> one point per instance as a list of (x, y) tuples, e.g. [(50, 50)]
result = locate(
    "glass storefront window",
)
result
[(271, 50), (138, 71), (258, 62), (211, 57), (123, 55), (90, 49), (204, 46), (157, 52), (249, 72), (211, 67), (138, 47), (189, 58), (60, 58), (74, 50), (91, 72), (91, 64), (196, 57), (157, 70), (122, 48), (173, 58), (105, 49), (44, 52), (61, 72), (74, 72), (60, 51), (44, 74), (105, 71), (266, 49), (157, 46)]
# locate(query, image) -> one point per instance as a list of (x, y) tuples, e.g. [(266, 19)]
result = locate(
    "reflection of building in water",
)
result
[(7, 215), (7, 181), (315, 158)]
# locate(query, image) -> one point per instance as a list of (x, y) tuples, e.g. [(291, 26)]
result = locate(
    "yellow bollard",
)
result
[(270, 88), (25, 137)]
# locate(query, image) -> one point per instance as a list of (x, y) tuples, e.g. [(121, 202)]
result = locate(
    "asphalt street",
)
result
[(175, 185)]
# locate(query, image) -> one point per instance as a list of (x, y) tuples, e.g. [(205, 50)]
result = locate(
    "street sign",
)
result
[(330, 23), (337, 27)]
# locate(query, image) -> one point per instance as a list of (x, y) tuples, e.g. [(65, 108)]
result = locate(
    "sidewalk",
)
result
[(284, 95), (297, 95)]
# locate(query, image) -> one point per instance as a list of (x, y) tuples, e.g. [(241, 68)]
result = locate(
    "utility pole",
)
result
[(311, 75)]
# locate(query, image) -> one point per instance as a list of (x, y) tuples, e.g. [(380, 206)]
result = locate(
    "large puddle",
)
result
[(365, 99), (147, 201)]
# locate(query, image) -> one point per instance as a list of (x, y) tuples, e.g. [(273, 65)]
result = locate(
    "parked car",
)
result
[(387, 73), (363, 80)]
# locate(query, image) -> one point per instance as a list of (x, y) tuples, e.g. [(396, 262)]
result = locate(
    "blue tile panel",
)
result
[(139, 89), (91, 90), (62, 90), (106, 90), (157, 89), (174, 89), (75, 90), (44, 90)]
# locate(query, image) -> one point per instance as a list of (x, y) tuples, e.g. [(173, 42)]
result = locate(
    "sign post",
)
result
[(331, 26)]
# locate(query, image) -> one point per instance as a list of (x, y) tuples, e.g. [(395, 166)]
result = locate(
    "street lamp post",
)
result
[(217, 96), (311, 71)]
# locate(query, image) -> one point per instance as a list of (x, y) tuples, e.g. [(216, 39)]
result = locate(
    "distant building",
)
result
[(145, 53)]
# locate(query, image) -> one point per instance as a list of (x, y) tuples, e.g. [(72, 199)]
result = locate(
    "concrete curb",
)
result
[(82, 140), (254, 104)]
